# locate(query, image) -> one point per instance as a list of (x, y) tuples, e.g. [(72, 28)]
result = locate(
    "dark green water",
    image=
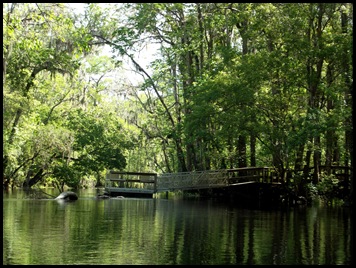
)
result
[(170, 231)]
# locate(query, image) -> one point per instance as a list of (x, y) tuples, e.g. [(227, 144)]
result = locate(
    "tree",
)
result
[(40, 41), (233, 85)]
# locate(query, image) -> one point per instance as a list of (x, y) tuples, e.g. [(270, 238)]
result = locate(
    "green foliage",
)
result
[(328, 189), (64, 174), (97, 145), (235, 81)]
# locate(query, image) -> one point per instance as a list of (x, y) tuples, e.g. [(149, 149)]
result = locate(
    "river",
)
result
[(173, 231)]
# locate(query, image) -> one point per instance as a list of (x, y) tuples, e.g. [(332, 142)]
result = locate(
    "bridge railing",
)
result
[(202, 179), (249, 174), (192, 180), (131, 180)]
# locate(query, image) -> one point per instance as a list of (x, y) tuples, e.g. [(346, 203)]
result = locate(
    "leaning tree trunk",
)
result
[(35, 179)]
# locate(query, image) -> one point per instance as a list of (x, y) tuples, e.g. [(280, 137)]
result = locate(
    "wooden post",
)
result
[(155, 183)]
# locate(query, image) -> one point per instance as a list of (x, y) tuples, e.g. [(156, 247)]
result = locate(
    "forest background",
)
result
[(232, 85)]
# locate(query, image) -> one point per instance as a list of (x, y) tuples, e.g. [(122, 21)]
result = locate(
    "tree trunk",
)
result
[(35, 179), (180, 155), (299, 158), (307, 161), (253, 150), (241, 149), (316, 158), (241, 143), (98, 182), (348, 99), (314, 71), (19, 113)]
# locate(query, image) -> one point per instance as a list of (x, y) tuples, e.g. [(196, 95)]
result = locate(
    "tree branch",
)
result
[(138, 66)]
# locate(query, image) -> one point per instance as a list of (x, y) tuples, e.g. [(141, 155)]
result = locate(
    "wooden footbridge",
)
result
[(141, 184), (146, 184)]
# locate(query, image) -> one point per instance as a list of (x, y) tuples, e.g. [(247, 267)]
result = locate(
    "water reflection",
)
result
[(161, 231)]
